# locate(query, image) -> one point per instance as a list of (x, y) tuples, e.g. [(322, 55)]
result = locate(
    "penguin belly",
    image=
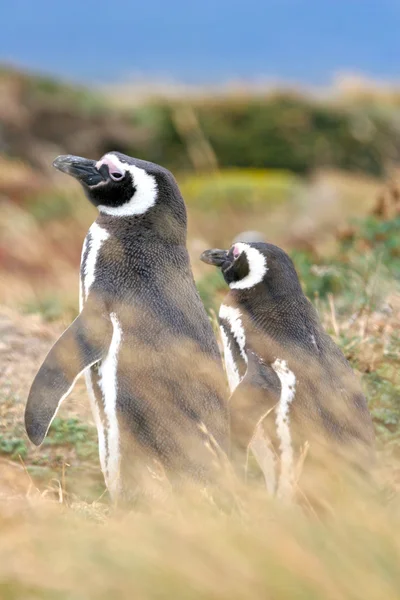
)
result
[(150, 439)]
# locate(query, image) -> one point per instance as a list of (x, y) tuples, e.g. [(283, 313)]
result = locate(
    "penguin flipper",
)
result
[(257, 394), (84, 343)]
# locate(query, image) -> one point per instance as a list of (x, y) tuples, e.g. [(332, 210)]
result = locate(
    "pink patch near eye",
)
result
[(236, 252), (116, 172)]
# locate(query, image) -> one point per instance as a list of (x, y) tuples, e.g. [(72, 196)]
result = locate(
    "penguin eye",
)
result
[(116, 175)]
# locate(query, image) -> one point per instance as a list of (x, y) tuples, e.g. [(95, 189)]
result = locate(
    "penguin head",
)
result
[(247, 265), (122, 186)]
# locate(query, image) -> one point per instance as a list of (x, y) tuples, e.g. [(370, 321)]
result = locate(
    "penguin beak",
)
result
[(214, 257), (83, 169)]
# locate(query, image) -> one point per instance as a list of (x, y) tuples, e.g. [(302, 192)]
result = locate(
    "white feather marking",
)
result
[(98, 236), (97, 419), (288, 388), (145, 195), (314, 341), (257, 268), (108, 383), (232, 372), (81, 282), (259, 445), (234, 318), (95, 240)]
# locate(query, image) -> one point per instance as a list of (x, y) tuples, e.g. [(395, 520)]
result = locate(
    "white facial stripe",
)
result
[(144, 197), (288, 388), (234, 318), (231, 369), (108, 384), (98, 236), (257, 268)]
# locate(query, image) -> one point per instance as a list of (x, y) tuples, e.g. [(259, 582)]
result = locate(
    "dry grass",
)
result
[(49, 550)]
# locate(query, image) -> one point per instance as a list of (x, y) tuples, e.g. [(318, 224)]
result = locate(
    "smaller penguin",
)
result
[(292, 388)]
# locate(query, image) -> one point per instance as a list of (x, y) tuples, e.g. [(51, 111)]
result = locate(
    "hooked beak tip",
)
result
[(82, 169), (214, 257), (61, 163)]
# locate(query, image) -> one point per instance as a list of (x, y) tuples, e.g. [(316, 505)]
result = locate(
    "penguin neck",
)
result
[(153, 225), (271, 312), (270, 296)]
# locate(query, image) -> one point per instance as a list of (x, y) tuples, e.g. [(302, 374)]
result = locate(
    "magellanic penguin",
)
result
[(143, 338), (292, 388)]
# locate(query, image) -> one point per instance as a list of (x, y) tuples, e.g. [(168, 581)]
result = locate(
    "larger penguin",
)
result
[(290, 383), (143, 337)]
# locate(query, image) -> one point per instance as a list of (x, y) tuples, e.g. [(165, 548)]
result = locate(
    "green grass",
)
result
[(51, 206), (72, 432), (42, 90), (69, 452), (50, 307), (238, 189), (13, 447)]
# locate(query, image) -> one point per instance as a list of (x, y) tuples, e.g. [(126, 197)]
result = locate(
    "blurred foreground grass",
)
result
[(50, 550)]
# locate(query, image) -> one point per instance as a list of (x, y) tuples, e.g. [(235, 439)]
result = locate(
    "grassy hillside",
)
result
[(276, 130)]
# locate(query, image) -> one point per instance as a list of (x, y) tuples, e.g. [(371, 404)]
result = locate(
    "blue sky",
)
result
[(305, 41)]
